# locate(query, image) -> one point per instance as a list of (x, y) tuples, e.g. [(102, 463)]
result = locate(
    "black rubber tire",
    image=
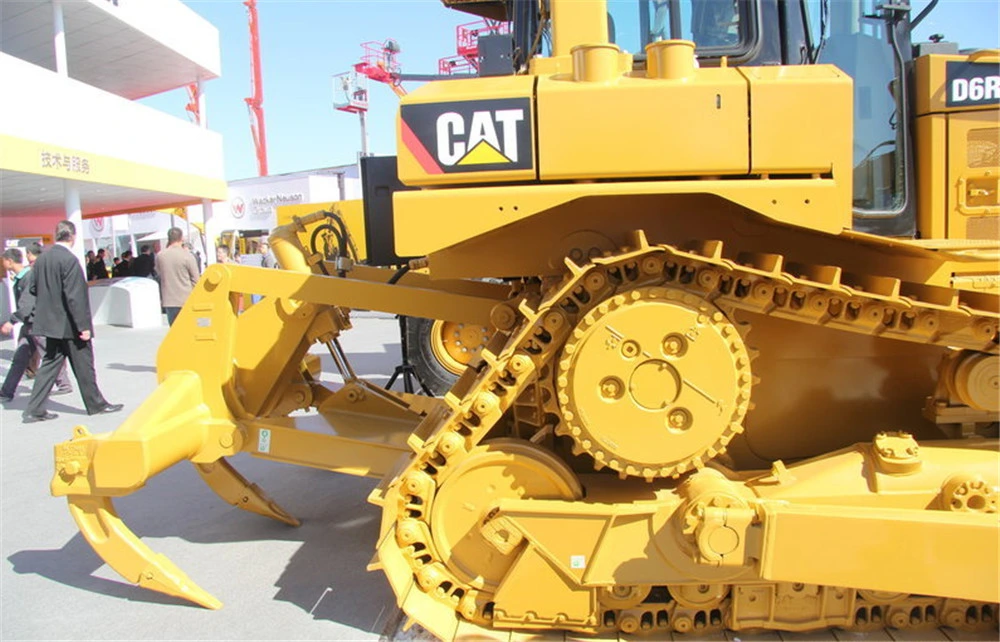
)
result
[(421, 356)]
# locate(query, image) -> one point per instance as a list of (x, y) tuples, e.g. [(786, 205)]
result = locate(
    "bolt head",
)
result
[(679, 419)]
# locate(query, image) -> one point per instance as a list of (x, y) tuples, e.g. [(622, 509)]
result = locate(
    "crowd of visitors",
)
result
[(146, 263), (51, 319), (128, 265)]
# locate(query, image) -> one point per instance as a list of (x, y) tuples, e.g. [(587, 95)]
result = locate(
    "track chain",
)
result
[(819, 295)]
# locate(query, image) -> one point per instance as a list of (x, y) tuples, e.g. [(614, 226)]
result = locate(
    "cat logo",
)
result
[(469, 136), (481, 146)]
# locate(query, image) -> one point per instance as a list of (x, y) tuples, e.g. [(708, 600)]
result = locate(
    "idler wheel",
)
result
[(500, 469)]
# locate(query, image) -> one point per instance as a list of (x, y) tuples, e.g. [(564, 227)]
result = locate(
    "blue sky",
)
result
[(304, 43)]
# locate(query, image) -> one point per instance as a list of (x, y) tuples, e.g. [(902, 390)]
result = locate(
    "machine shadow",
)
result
[(326, 574), (54, 403), (128, 367), (74, 565)]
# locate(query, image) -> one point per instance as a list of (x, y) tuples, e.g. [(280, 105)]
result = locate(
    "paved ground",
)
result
[(276, 582)]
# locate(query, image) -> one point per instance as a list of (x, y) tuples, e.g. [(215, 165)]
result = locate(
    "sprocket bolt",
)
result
[(679, 419), (630, 349), (612, 388)]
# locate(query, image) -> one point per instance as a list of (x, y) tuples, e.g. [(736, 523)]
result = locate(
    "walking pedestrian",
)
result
[(27, 344), (62, 316), (178, 274), (32, 252)]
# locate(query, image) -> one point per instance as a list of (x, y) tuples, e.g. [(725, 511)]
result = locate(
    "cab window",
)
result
[(842, 33), (717, 27)]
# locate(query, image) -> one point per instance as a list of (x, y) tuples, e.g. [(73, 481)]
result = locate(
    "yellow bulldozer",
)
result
[(739, 269)]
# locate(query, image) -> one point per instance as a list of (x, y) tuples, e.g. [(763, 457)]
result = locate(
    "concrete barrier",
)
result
[(98, 291), (132, 301)]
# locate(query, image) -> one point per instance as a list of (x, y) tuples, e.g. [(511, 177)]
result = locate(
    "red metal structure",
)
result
[(194, 94), (350, 92), (379, 63), (255, 103)]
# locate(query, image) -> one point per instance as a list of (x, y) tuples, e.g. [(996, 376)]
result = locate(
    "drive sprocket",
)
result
[(654, 382)]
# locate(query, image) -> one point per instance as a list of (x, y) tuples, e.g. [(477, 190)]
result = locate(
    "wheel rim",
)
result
[(455, 344)]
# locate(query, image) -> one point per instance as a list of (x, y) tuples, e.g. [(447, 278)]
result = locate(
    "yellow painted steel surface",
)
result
[(705, 403), (958, 148), (351, 211), (783, 145), (932, 79), (657, 139), (488, 209), (974, 170), (579, 23), (932, 162)]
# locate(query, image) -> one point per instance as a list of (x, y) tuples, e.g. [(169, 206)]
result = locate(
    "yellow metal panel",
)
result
[(578, 23), (467, 131), (800, 120), (931, 141), (643, 127), (363, 455), (534, 579), (427, 221), (973, 175), (347, 292), (547, 66), (932, 82), (352, 212), (33, 157), (867, 539)]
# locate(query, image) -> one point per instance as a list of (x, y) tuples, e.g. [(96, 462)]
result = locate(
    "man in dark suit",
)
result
[(62, 316), (123, 267), (144, 264)]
